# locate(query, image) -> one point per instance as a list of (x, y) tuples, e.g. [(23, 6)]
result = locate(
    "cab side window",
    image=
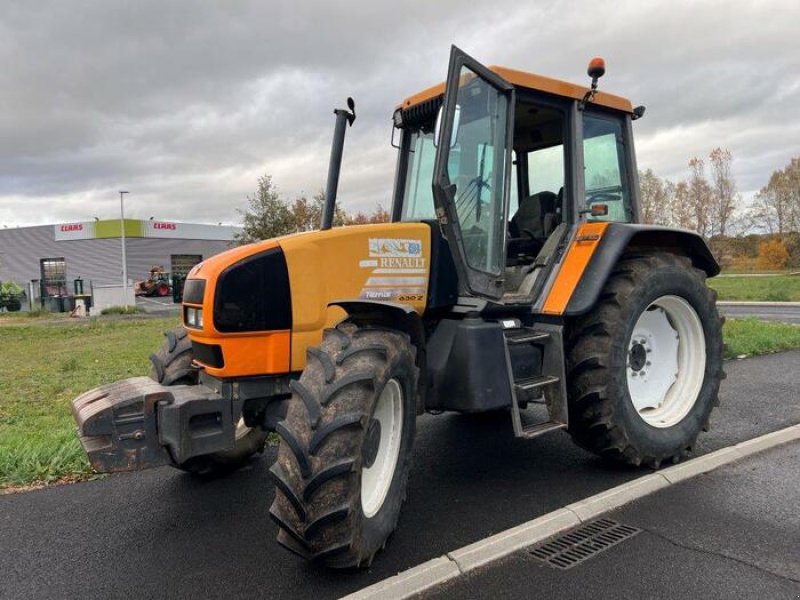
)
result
[(606, 178)]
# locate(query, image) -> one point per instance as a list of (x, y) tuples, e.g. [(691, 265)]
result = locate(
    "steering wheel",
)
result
[(604, 195)]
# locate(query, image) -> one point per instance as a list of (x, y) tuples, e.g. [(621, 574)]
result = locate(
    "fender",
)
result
[(392, 315), (619, 237)]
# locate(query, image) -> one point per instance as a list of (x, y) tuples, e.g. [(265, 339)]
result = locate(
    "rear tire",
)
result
[(345, 452), (644, 366), (172, 365)]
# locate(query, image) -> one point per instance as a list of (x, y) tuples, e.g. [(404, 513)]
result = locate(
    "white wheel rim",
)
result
[(666, 361), (377, 479)]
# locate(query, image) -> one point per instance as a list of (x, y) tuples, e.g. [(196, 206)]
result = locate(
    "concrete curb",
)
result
[(487, 550), (701, 465), (458, 562), (596, 505), (410, 582)]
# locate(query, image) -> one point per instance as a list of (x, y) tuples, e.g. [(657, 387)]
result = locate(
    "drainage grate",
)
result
[(574, 547)]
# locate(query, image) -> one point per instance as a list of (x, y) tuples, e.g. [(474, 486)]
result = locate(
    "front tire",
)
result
[(172, 365), (345, 452), (644, 366)]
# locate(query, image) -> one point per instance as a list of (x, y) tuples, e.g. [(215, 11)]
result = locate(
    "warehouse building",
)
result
[(47, 259)]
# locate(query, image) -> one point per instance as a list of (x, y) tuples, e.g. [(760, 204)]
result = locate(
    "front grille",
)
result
[(208, 354), (253, 295)]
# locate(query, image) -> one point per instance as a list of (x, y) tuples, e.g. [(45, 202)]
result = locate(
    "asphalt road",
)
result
[(157, 305), (787, 313), (733, 533), (160, 533)]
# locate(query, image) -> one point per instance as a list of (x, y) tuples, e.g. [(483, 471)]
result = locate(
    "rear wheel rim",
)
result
[(666, 361), (377, 478)]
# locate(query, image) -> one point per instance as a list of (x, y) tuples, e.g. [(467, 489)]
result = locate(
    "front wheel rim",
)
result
[(666, 361), (376, 479)]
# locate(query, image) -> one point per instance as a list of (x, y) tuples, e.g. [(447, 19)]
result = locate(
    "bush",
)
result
[(772, 256), (792, 242), (121, 310)]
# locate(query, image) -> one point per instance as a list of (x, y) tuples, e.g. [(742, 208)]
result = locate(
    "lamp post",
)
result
[(124, 258)]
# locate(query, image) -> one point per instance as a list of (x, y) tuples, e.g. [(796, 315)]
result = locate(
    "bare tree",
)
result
[(655, 207), (682, 213), (699, 197), (723, 192)]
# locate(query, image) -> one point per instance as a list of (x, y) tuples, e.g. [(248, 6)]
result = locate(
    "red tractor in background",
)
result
[(156, 285)]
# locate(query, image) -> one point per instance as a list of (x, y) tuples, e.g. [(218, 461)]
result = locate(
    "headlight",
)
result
[(194, 317)]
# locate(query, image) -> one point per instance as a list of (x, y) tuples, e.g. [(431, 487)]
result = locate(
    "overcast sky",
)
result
[(185, 104)]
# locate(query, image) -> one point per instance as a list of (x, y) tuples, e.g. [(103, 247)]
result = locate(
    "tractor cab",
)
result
[(515, 160)]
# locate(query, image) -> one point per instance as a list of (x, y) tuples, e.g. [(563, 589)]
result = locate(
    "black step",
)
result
[(532, 383), (531, 431), (526, 336)]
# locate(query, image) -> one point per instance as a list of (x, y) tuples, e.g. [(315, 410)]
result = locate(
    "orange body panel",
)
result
[(386, 261), (352, 263), (249, 353), (533, 82), (573, 266)]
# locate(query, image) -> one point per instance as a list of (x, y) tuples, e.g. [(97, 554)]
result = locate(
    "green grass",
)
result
[(48, 363), (121, 310), (773, 288), (44, 366), (751, 336)]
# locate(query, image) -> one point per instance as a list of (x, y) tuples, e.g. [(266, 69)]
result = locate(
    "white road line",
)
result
[(756, 303), (454, 564), (146, 299)]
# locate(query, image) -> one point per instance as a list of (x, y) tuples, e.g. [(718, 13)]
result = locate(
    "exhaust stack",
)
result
[(342, 116)]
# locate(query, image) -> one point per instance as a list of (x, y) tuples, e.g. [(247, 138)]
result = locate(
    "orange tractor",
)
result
[(513, 276)]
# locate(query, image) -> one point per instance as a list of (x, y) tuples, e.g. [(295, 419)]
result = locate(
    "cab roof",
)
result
[(521, 79)]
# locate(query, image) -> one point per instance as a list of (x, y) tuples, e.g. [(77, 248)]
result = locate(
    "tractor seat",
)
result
[(530, 225)]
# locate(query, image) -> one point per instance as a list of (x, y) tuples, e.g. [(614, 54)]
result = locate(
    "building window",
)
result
[(54, 276)]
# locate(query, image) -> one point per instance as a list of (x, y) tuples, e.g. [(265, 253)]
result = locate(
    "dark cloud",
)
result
[(185, 104)]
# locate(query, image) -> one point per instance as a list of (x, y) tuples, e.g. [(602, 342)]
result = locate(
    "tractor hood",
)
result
[(254, 310)]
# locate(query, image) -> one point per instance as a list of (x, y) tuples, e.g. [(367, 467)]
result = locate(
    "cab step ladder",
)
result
[(551, 381)]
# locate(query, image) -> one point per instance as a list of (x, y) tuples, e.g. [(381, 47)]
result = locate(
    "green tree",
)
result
[(777, 205), (267, 215)]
